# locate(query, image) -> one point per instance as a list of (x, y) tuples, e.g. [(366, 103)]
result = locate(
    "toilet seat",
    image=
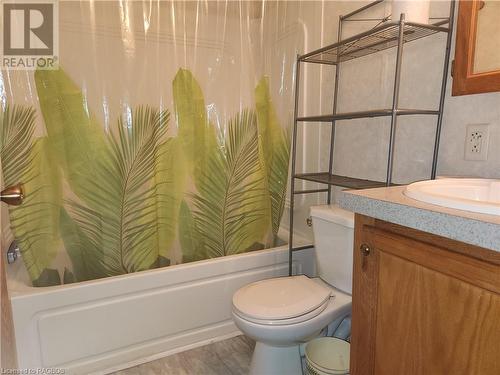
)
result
[(282, 300), (278, 322)]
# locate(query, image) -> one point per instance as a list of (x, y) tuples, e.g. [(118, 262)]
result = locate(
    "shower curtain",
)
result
[(162, 138)]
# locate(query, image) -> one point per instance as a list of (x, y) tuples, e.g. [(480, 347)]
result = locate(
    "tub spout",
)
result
[(13, 253)]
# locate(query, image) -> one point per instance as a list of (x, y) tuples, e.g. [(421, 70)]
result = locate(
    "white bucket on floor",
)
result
[(327, 356)]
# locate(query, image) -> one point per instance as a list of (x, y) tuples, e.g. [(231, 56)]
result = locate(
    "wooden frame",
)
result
[(465, 81)]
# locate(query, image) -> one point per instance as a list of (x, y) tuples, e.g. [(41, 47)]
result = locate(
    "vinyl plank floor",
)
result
[(227, 357)]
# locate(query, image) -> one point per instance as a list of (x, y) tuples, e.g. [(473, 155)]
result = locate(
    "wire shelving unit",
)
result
[(389, 34)]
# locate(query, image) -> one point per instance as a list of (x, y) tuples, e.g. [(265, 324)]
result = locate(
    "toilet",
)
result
[(282, 313)]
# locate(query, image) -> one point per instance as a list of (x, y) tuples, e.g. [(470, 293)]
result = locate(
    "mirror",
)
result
[(487, 51), (477, 51)]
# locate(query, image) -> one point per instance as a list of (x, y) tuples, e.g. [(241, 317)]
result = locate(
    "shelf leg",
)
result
[(395, 100), (292, 177), (335, 94), (443, 90)]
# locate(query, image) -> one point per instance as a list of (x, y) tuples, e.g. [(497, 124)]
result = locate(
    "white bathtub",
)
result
[(108, 324)]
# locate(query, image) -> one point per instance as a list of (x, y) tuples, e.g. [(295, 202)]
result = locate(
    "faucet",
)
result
[(13, 253), (14, 196)]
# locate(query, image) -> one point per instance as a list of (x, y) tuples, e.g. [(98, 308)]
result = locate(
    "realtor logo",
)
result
[(30, 39)]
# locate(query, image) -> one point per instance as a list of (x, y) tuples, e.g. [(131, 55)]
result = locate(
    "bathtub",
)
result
[(108, 324)]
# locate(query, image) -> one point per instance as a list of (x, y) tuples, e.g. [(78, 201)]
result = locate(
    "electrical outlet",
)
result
[(476, 142)]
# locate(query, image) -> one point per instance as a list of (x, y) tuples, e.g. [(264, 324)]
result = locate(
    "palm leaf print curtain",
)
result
[(161, 138)]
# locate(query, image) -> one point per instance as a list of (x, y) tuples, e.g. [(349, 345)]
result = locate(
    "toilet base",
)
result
[(276, 360)]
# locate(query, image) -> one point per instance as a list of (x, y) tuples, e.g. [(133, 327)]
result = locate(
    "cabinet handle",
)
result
[(365, 249)]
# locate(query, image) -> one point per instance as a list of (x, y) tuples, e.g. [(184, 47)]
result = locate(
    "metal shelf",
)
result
[(310, 191), (301, 247), (372, 41), (367, 114), (387, 35), (336, 180)]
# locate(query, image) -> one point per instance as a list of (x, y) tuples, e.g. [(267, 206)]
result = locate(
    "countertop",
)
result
[(390, 204)]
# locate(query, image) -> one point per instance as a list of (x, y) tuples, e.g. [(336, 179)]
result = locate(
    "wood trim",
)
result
[(465, 81), (364, 307), (477, 252), (470, 270)]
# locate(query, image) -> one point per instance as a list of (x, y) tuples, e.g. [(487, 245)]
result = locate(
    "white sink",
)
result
[(469, 194)]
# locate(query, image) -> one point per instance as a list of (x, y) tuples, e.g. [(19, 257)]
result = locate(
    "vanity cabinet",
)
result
[(423, 304)]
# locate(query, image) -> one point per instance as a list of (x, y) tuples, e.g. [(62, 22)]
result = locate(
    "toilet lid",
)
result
[(282, 322), (280, 298)]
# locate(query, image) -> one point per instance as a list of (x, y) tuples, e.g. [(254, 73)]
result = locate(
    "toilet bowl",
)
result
[(282, 313), (278, 337)]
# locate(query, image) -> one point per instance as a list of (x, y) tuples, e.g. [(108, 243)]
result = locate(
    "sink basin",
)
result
[(469, 194)]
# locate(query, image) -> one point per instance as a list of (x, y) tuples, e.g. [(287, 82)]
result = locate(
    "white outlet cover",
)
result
[(476, 142)]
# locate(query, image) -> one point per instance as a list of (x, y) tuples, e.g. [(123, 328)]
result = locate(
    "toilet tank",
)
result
[(333, 229)]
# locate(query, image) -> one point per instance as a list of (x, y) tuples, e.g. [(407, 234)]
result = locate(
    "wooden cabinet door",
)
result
[(419, 308)]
